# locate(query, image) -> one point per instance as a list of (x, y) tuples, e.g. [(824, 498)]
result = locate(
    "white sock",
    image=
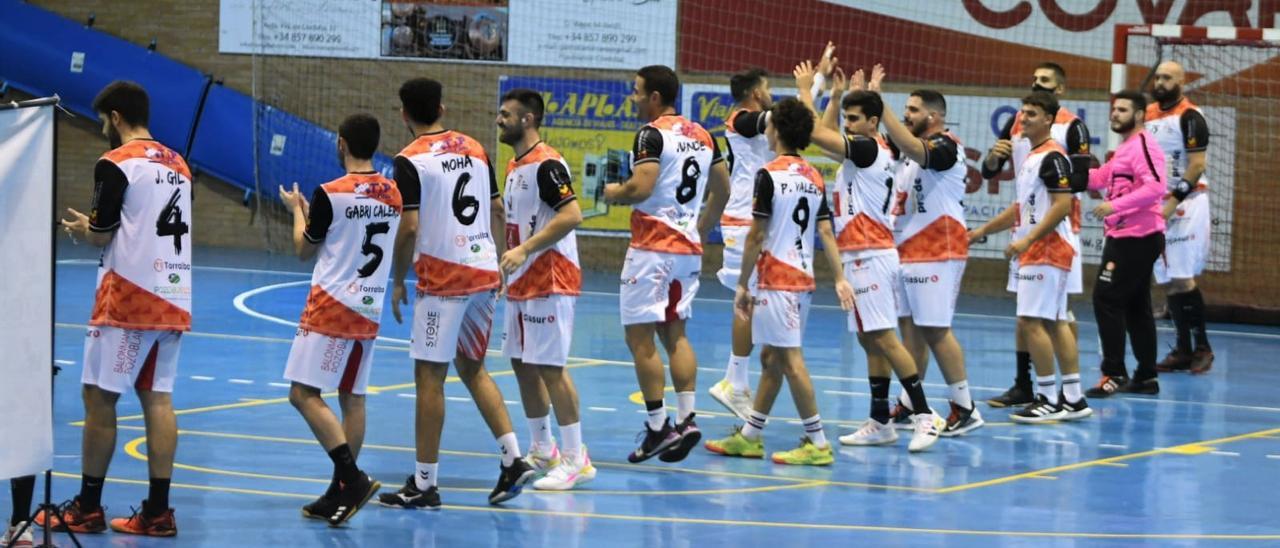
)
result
[(1047, 386), (737, 372), (960, 394), (657, 417), (813, 429), (684, 405), (425, 475), (509, 446), (1071, 387), (571, 435), (540, 431), (755, 425)]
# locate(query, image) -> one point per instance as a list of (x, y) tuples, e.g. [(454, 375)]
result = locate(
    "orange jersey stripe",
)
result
[(651, 234), (446, 279), (328, 316), (1050, 250), (121, 303), (446, 142), (152, 151), (863, 232), (550, 274), (780, 276), (726, 220), (943, 240)]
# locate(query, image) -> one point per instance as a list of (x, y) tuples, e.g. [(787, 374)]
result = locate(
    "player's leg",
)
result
[(1039, 343), (154, 385), (1142, 327), (684, 370), (876, 430), (814, 448), (1021, 392), (748, 440), (575, 466), (1067, 351), (543, 454), (1111, 295), (20, 532), (734, 390), (643, 279)]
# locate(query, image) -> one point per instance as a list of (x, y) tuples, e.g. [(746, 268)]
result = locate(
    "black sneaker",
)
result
[(320, 508), (655, 442), (352, 497), (1038, 412), (1148, 387), (1074, 411), (1016, 396), (1107, 386), (410, 497), (900, 417), (1176, 361), (511, 481), (962, 421), (689, 438)]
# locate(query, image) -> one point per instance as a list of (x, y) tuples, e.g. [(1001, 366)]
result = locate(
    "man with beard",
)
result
[(1072, 135), (1134, 229), (1179, 127), (543, 282), (676, 164)]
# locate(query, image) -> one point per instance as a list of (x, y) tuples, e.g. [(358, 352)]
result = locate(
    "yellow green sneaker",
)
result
[(807, 454), (737, 445)]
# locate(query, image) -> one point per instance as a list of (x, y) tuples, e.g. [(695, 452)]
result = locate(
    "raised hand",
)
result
[(877, 76)]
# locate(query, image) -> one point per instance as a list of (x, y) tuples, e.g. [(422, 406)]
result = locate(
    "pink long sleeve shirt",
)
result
[(1135, 186)]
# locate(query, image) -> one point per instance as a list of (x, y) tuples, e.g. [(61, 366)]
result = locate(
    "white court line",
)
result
[(64, 362), (845, 393), (239, 381), (404, 395), (1059, 442), (1273, 456), (1006, 438), (1113, 446), (280, 384), (605, 409), (1225, 453), (457, 398), (509, 402), (202, 378)]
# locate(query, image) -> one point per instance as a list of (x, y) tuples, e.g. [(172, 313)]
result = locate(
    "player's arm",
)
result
[(1079, 155), (1000, 223), (830, 248), (646, 156), (825, 134), (406, 179), (97, 228), (311, 221), (1054, 175), (555, 189), (1195, 135), (761, 211), (1148, 172), (1000, 152), (717, 193)]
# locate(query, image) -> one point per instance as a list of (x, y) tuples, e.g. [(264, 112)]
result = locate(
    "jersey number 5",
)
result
[(369, 248)]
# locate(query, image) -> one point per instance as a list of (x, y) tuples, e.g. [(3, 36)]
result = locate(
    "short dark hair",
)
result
[(1058, 72), (1134, 96), (127, 98), (1045, 100), (868, 101), (932, 100), (361, 132), (793, 122), (662, 79), (742, 83), (420, 98), (531, 101)]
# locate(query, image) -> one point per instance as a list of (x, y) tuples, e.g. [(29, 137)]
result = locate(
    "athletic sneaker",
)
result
[(1107, 386), (737, 445), (961, 421), (1038, 412), (543, 459), (511, 481), (872, 432), (1175, 361), (900, 417), (14, 540), (74, 518), (352, 497), (139, 523), (411, 497), (1146, 387), (1016, 396), (928, 426), (1074, 411), (654, 442), (689, 438), (736, 401), (807, 454), (571, 472), (320, 508), (1201, 361)]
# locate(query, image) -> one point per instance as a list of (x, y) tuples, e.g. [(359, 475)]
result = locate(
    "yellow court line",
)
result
[(1102, 462), (741, 523)]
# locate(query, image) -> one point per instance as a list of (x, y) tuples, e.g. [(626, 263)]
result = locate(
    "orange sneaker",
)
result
[(72, 517), (162, 525)]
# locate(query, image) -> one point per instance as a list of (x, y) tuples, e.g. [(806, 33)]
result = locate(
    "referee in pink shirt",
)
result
[(1134, 227)]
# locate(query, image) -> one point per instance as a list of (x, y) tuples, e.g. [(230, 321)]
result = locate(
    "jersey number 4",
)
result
[(170, 223)]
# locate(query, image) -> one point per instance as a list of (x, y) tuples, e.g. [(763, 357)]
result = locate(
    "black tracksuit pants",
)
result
[(1122, 303)]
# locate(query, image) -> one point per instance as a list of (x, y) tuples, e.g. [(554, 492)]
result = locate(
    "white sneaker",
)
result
[(14, 540), (571, 472), (871, 433), (928, 426), (543, 458), (739, 402)]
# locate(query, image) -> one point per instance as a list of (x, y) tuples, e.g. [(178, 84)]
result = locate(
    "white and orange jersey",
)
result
[(861, 199), (791, 195), (143, 193), (1071, 133), (929, 224), (448, 178), (1043, 172), (538, 184), (747, 152), (667, 221), (1179, 131), (354, 220)]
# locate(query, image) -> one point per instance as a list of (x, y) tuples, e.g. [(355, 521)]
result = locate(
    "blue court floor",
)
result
[(1199, 464)]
